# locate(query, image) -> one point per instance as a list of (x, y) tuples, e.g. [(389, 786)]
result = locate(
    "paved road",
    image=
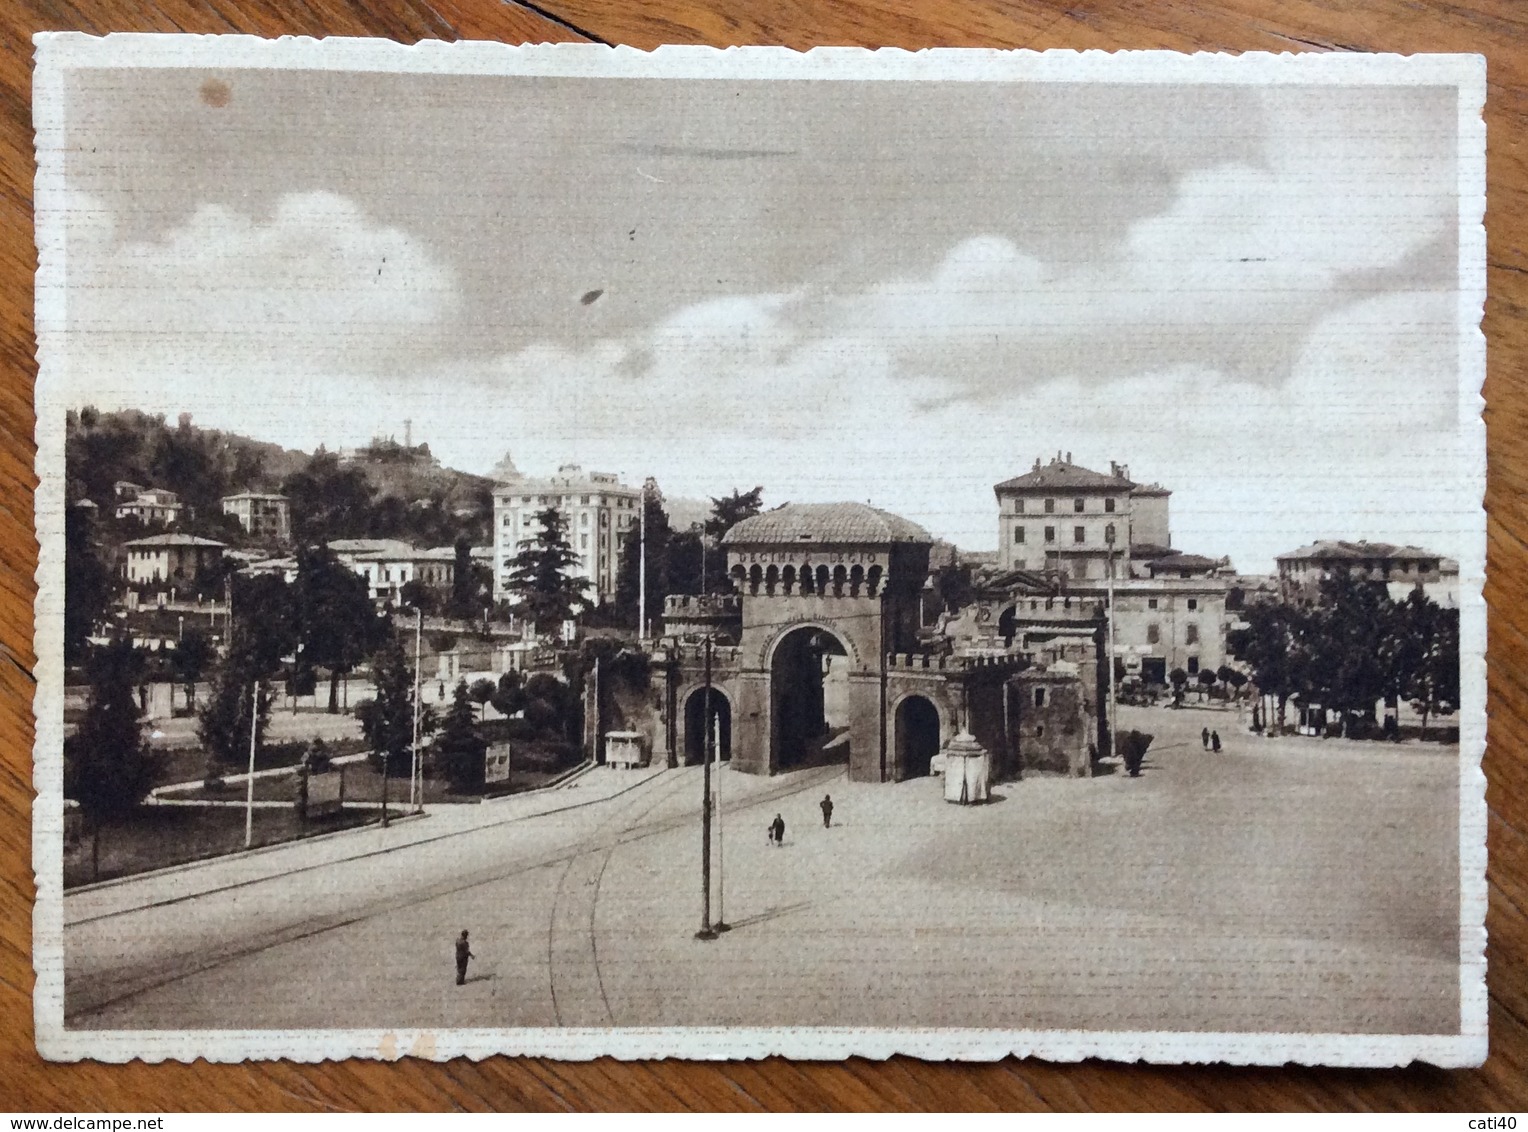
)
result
[(1280, 885)]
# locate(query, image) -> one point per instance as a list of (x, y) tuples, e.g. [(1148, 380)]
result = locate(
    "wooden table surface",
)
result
[(1495, 28)]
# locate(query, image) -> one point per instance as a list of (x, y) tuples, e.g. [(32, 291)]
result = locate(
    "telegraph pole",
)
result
[(642, 568), (249, 790), (1113, 695), (706, 930), (416, 772)]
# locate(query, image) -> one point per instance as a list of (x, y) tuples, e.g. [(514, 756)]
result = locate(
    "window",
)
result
[(1079, 534), (1018, 535), (1077, 505), (1193, 666), (1191, 634), (1193, 603), (584, 499), (1050, 534), (1018, 507), (1151, 603), (1109, 505), (1109, 534), (1153, 634), (583, 542), (509, 521), (1050, 506), (1039, 697), (583, 519)]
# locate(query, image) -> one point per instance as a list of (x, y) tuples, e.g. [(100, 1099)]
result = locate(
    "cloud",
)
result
[(315, 288)]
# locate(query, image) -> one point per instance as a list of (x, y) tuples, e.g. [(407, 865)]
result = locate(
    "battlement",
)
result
[(688, 606), (932, 662)]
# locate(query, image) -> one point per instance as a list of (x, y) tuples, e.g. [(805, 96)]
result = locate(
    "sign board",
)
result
[(496, 764)]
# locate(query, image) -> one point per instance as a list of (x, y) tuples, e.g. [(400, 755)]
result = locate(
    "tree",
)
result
[(1231, 678), (1179, 680), (726, 512), (543, 574), (1433, 685), (629, 567), (471, 583), (265, 620), (481, 692), (192, 656), (1206, 679), (387, 721), (224, 722), (336, 624), (458, 747), (730, 510), (87, 582), (328, 500), (509, 697), (414, 594), (108, 765)]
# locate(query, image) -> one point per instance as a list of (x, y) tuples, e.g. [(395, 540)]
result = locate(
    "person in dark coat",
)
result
[(827, 810), (778, 829), (1204, 737), (463, 953), (1215, 741)]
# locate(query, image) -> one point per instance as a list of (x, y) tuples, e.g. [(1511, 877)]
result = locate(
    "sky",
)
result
[(898, 292)]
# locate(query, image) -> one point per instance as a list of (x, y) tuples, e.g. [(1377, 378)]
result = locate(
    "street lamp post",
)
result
[(416, 772), (1113, 694), (249, 785), (706, 930), (642, 567)]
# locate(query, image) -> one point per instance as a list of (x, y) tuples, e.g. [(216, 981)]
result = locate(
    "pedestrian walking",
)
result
[(777, 827), (1204, 737), (827, 810), (1215, 741), (463, 953)]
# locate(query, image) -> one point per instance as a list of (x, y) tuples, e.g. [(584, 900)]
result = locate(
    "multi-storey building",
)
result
[(1403, 567), (1065, 519), (263, 515), (598, 510), (174, 559), (152, 506)]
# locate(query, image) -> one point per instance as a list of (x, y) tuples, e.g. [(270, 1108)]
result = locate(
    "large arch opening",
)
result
[(809, 700), (917, 728), (696, 725)]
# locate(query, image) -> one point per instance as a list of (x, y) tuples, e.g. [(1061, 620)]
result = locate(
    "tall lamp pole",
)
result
[(1113, 694), (642, 568), (249, 788), (416, 772), (706, 930)]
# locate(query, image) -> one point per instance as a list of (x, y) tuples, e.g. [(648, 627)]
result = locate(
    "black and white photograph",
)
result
[(570, 551)]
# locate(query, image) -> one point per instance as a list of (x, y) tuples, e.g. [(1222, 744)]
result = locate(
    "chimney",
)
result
[(1068, 457), (1037, 463)]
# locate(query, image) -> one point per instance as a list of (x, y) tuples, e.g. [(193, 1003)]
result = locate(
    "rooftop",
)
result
[(827, 523), (1183, 562), (174, 540), (1340, 550), (1063, 475), (270, 495), (402, 552), (1150, 489)]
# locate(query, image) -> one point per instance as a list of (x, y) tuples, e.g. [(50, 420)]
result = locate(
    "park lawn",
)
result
[(363, 784), (156, 837)]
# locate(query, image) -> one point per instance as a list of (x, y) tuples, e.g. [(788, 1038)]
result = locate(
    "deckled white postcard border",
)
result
[(60, 53)]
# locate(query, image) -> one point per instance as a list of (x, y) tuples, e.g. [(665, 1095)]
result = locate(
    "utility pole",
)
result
[(1113, 695), (713, 730), (416, 772), (249, 786), (706, 930), (642, 568)]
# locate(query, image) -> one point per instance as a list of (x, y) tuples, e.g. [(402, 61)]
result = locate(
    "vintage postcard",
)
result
[(573, 551)]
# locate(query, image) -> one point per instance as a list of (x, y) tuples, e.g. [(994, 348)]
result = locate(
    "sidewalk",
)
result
[(184, 882)]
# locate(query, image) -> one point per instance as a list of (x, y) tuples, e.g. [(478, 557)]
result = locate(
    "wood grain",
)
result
[(1497, 29)]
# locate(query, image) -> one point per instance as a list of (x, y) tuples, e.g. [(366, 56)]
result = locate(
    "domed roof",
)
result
[(826, 524)]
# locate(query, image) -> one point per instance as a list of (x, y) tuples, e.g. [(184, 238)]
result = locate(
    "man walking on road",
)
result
[(463, 953), (1204, 738), (827, 810), (1215, 741), (777, 827)]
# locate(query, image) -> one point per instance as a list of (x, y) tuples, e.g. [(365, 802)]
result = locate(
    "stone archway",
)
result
[(917, 736), (695, 725), (808, 699)]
